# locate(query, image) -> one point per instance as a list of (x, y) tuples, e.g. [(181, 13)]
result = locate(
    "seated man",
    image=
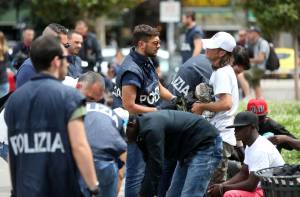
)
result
[(183, 136), (260, 153), (269, 126)]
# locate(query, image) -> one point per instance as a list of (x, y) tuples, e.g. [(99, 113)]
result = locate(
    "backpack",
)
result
[(273, 60)]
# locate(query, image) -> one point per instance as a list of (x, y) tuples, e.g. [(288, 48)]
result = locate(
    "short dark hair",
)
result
[(71, 32), (143, 32), (241, 57), (57, 28), (191, 14), (43, 50)]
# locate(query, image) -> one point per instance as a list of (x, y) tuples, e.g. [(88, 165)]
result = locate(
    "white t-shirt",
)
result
[(262, 154), (3, 128), (224, 81)]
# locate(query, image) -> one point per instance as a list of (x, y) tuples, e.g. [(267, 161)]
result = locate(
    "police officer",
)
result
[(138, 90), (191, 45), (47, 141), (104, 132)]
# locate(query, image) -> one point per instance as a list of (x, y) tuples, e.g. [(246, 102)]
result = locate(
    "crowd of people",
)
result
[(71, 131)]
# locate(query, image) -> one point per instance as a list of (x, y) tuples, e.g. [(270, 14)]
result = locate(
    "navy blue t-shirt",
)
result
[(25, 72), (187, 47)]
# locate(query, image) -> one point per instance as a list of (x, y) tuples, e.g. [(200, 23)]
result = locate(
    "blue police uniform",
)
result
[(139, 71), (105, 135), (41, 161), (193, 72), (187, 47)]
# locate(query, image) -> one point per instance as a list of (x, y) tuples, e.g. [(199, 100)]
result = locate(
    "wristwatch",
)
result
[(95, 190)]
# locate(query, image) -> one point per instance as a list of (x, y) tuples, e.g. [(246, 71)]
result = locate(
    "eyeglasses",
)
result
[(67, 45)]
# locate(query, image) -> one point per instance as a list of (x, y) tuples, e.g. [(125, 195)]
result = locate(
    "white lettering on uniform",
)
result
[(152, 98), (41, 143), (103, 109), (180, 85)]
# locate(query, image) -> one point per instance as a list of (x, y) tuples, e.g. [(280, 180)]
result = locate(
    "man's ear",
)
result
[(141, 44), (222, 53), (56, 62)]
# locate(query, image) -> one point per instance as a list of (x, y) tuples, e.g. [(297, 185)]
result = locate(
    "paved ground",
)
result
[(272, 90)]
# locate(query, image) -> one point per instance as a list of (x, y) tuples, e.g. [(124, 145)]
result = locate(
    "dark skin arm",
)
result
[(241, 181), (279, 139)]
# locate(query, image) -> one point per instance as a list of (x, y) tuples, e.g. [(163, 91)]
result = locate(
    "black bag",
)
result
[(272, 61)]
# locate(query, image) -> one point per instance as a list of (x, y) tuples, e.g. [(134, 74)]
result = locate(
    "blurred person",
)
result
[(27, 69), (22, 50), (118, 59), (4, 64), (192, 44), (259, 154), (138, 90), (104, 129), (75, 40), (269, 127), (191, 140), (47, 140), (261, 52), (90, 51), (219, 50), (242, 41)]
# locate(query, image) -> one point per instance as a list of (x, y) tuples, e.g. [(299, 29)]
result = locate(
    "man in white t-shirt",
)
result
[(260, 153), (223, 80)]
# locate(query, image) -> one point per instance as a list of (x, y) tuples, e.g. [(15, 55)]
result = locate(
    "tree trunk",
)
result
[(296, 76)]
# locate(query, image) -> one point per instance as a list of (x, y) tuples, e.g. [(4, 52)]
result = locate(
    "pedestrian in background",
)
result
[(90, 51), (191, 45), (261, 51), (4, 64)]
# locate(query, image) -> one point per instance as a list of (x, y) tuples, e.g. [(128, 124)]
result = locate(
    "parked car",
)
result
[(287, 60)]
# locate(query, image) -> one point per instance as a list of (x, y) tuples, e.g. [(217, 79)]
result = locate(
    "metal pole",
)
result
[(296, 76), (170, 44)]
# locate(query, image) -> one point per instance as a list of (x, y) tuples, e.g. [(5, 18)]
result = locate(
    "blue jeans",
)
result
[(4, 89), (166, 177), (135, 170), (107, 174), (4, 151), (192, 178)]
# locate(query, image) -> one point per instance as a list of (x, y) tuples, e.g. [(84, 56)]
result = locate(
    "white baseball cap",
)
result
[(221, 40)]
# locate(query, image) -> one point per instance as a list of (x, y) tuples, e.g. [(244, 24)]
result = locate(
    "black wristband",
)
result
[(95, 191)]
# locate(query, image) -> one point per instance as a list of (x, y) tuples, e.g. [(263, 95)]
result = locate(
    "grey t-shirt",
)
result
[(261, 46)]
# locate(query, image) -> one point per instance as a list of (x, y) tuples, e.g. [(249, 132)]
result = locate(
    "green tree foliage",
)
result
[(67, 12), (276, 15)]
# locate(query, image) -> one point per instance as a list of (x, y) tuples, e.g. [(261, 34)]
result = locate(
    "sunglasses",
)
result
[(67, 45)]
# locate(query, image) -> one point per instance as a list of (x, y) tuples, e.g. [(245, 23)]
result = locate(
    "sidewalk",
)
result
[(4, 180)]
